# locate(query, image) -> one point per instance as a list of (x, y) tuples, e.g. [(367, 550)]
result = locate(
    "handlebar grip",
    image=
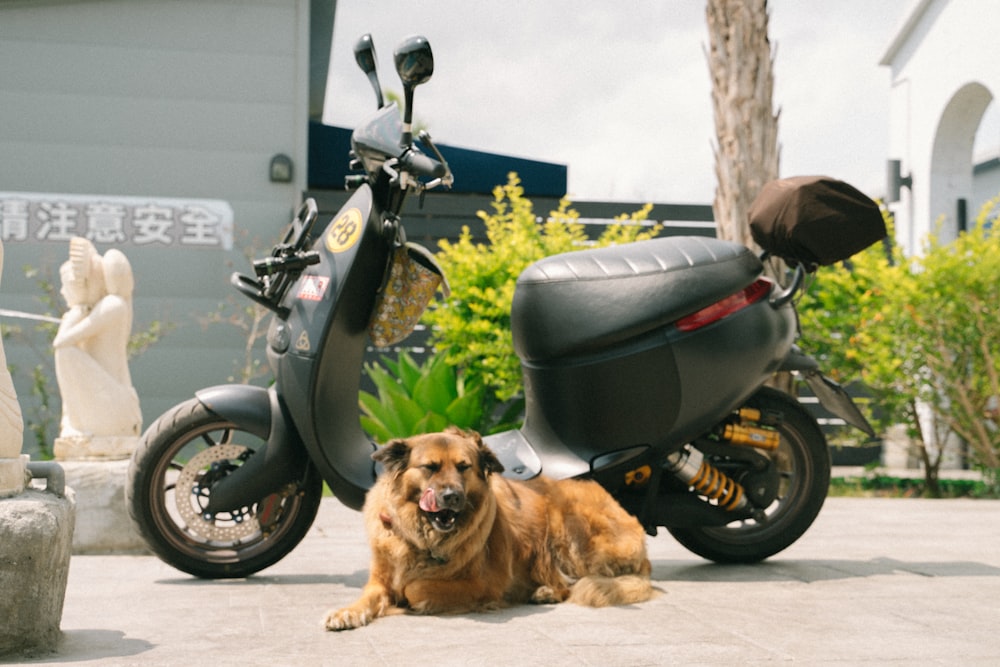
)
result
[(272, 265), (416, 162), (253, 290)]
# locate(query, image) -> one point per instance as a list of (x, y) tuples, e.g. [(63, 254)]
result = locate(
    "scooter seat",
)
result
[(585, 301)]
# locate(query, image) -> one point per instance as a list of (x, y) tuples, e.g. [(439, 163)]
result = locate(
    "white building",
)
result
[(944, 75)]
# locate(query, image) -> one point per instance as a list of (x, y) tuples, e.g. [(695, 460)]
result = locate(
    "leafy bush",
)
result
[(841, 314), (924, 332), (472, 329)]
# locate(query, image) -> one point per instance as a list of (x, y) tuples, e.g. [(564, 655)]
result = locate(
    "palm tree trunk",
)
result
[(746, 127)]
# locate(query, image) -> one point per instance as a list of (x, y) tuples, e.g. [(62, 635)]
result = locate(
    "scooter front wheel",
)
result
[(802, 462), (169, 482)]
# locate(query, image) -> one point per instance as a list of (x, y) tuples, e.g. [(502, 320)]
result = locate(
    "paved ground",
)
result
[(874, 581)]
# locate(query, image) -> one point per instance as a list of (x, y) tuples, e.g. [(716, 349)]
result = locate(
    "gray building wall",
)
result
[(152, 100), (985, 187)]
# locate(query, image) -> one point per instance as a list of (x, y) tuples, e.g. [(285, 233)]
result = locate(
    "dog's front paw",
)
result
[(547, 595), (347, 618)]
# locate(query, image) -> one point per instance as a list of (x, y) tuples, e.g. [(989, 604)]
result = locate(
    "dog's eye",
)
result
[(462, 467), (431, 467)]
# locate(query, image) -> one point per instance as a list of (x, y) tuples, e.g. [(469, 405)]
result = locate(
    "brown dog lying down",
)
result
[(450, 535)]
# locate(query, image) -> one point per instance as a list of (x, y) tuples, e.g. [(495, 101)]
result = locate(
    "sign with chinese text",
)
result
[(136, 221)]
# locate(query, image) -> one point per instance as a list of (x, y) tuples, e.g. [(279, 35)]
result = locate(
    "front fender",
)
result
[(280, 461), (247, 405)]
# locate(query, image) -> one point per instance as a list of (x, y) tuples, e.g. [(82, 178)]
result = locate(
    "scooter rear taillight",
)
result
[(750, 294)]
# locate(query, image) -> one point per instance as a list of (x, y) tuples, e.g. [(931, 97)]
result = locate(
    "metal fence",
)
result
[(443, 215)]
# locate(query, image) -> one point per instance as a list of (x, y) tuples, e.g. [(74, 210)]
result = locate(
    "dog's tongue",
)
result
[(428, 501)]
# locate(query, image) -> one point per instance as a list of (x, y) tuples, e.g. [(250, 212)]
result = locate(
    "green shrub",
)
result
[(472, 329), (904, 487), (921, 331)]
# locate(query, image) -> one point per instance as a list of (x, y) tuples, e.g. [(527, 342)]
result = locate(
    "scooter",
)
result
[(645, 368)]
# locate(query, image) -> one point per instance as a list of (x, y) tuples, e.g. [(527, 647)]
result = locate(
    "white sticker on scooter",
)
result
[(303, 344), (313, 288), (345, 232)]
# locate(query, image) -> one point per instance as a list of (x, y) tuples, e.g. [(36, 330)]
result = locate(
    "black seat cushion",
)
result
[(585, 301)]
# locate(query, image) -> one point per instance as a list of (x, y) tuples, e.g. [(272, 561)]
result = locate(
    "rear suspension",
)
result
[(690, 466)]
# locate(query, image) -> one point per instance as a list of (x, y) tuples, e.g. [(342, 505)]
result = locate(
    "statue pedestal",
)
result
[(102, 523), (36, 531), (94, 448)]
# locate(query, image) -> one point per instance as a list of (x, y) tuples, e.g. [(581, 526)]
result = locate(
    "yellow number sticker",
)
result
[(345, 232)]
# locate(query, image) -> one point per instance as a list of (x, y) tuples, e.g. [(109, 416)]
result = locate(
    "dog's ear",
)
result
[(488, 461), (393, 455)]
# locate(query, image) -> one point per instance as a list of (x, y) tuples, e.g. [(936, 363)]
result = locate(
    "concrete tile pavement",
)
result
[(874, 581)]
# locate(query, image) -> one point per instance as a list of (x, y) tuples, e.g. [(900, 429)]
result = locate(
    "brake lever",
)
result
[(448, 179)]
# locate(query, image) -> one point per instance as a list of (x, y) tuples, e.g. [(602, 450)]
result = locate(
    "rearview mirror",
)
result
[(414, 61), (414, 64), (364, 54)]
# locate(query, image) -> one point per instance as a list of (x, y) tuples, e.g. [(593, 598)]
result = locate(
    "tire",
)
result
[(803, 462), (164, 496)]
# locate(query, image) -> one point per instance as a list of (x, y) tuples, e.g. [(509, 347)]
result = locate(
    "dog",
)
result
[(449, 535)]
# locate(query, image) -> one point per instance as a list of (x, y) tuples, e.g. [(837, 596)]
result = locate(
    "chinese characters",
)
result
[(116, 220)]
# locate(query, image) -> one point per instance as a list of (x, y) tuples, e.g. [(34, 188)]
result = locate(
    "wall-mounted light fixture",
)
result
[(895, 181), (281, 169)]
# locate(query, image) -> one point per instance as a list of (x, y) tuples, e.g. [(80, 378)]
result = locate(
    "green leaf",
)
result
[(394, 409), (376, 430), (408, 372), (385, 383), (435, 390), (371, 405), (407, 413), (431, 422), (467, 411), (393, 366)]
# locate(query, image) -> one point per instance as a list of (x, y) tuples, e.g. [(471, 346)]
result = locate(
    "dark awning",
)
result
[(475, 171)]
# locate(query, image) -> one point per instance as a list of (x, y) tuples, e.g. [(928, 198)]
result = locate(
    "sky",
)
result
[(620, 91)]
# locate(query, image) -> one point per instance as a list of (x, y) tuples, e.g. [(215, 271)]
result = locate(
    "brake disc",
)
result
[(190, 496)]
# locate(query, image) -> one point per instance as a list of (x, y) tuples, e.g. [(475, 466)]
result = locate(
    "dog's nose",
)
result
[(451, 498)]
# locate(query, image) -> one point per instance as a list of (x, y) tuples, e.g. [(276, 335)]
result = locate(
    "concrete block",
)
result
[(36, 533), (102, 523), (12, 475)]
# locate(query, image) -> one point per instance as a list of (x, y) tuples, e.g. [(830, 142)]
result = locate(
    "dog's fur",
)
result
[(450, 535)]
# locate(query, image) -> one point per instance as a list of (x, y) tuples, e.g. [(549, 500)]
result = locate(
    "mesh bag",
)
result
[(414, 276)]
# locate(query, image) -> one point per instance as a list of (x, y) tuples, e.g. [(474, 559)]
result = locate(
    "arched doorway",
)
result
[(952, 159)]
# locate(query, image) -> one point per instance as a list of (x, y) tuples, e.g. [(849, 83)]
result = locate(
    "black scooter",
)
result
[(644, 368)]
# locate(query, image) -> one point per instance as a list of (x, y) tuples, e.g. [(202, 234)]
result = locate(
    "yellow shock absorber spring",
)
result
[(713, 483), (691, 467)]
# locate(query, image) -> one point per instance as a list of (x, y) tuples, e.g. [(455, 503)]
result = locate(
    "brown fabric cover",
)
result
[(814, 220)]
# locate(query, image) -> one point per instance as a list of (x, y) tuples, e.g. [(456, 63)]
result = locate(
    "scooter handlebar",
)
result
[(254, 290), (419, 164)]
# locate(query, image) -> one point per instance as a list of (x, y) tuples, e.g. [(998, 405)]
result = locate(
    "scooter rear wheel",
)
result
[(803, 464), (168, 485)]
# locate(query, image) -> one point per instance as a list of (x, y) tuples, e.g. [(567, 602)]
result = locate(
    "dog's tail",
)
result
[(596, 591)]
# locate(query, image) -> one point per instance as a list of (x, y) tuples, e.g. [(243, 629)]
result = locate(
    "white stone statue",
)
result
[(101, 415), (12, 463)]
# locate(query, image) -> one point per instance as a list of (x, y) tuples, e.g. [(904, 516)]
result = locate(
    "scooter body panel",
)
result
[(317, 352), (649, 383)]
